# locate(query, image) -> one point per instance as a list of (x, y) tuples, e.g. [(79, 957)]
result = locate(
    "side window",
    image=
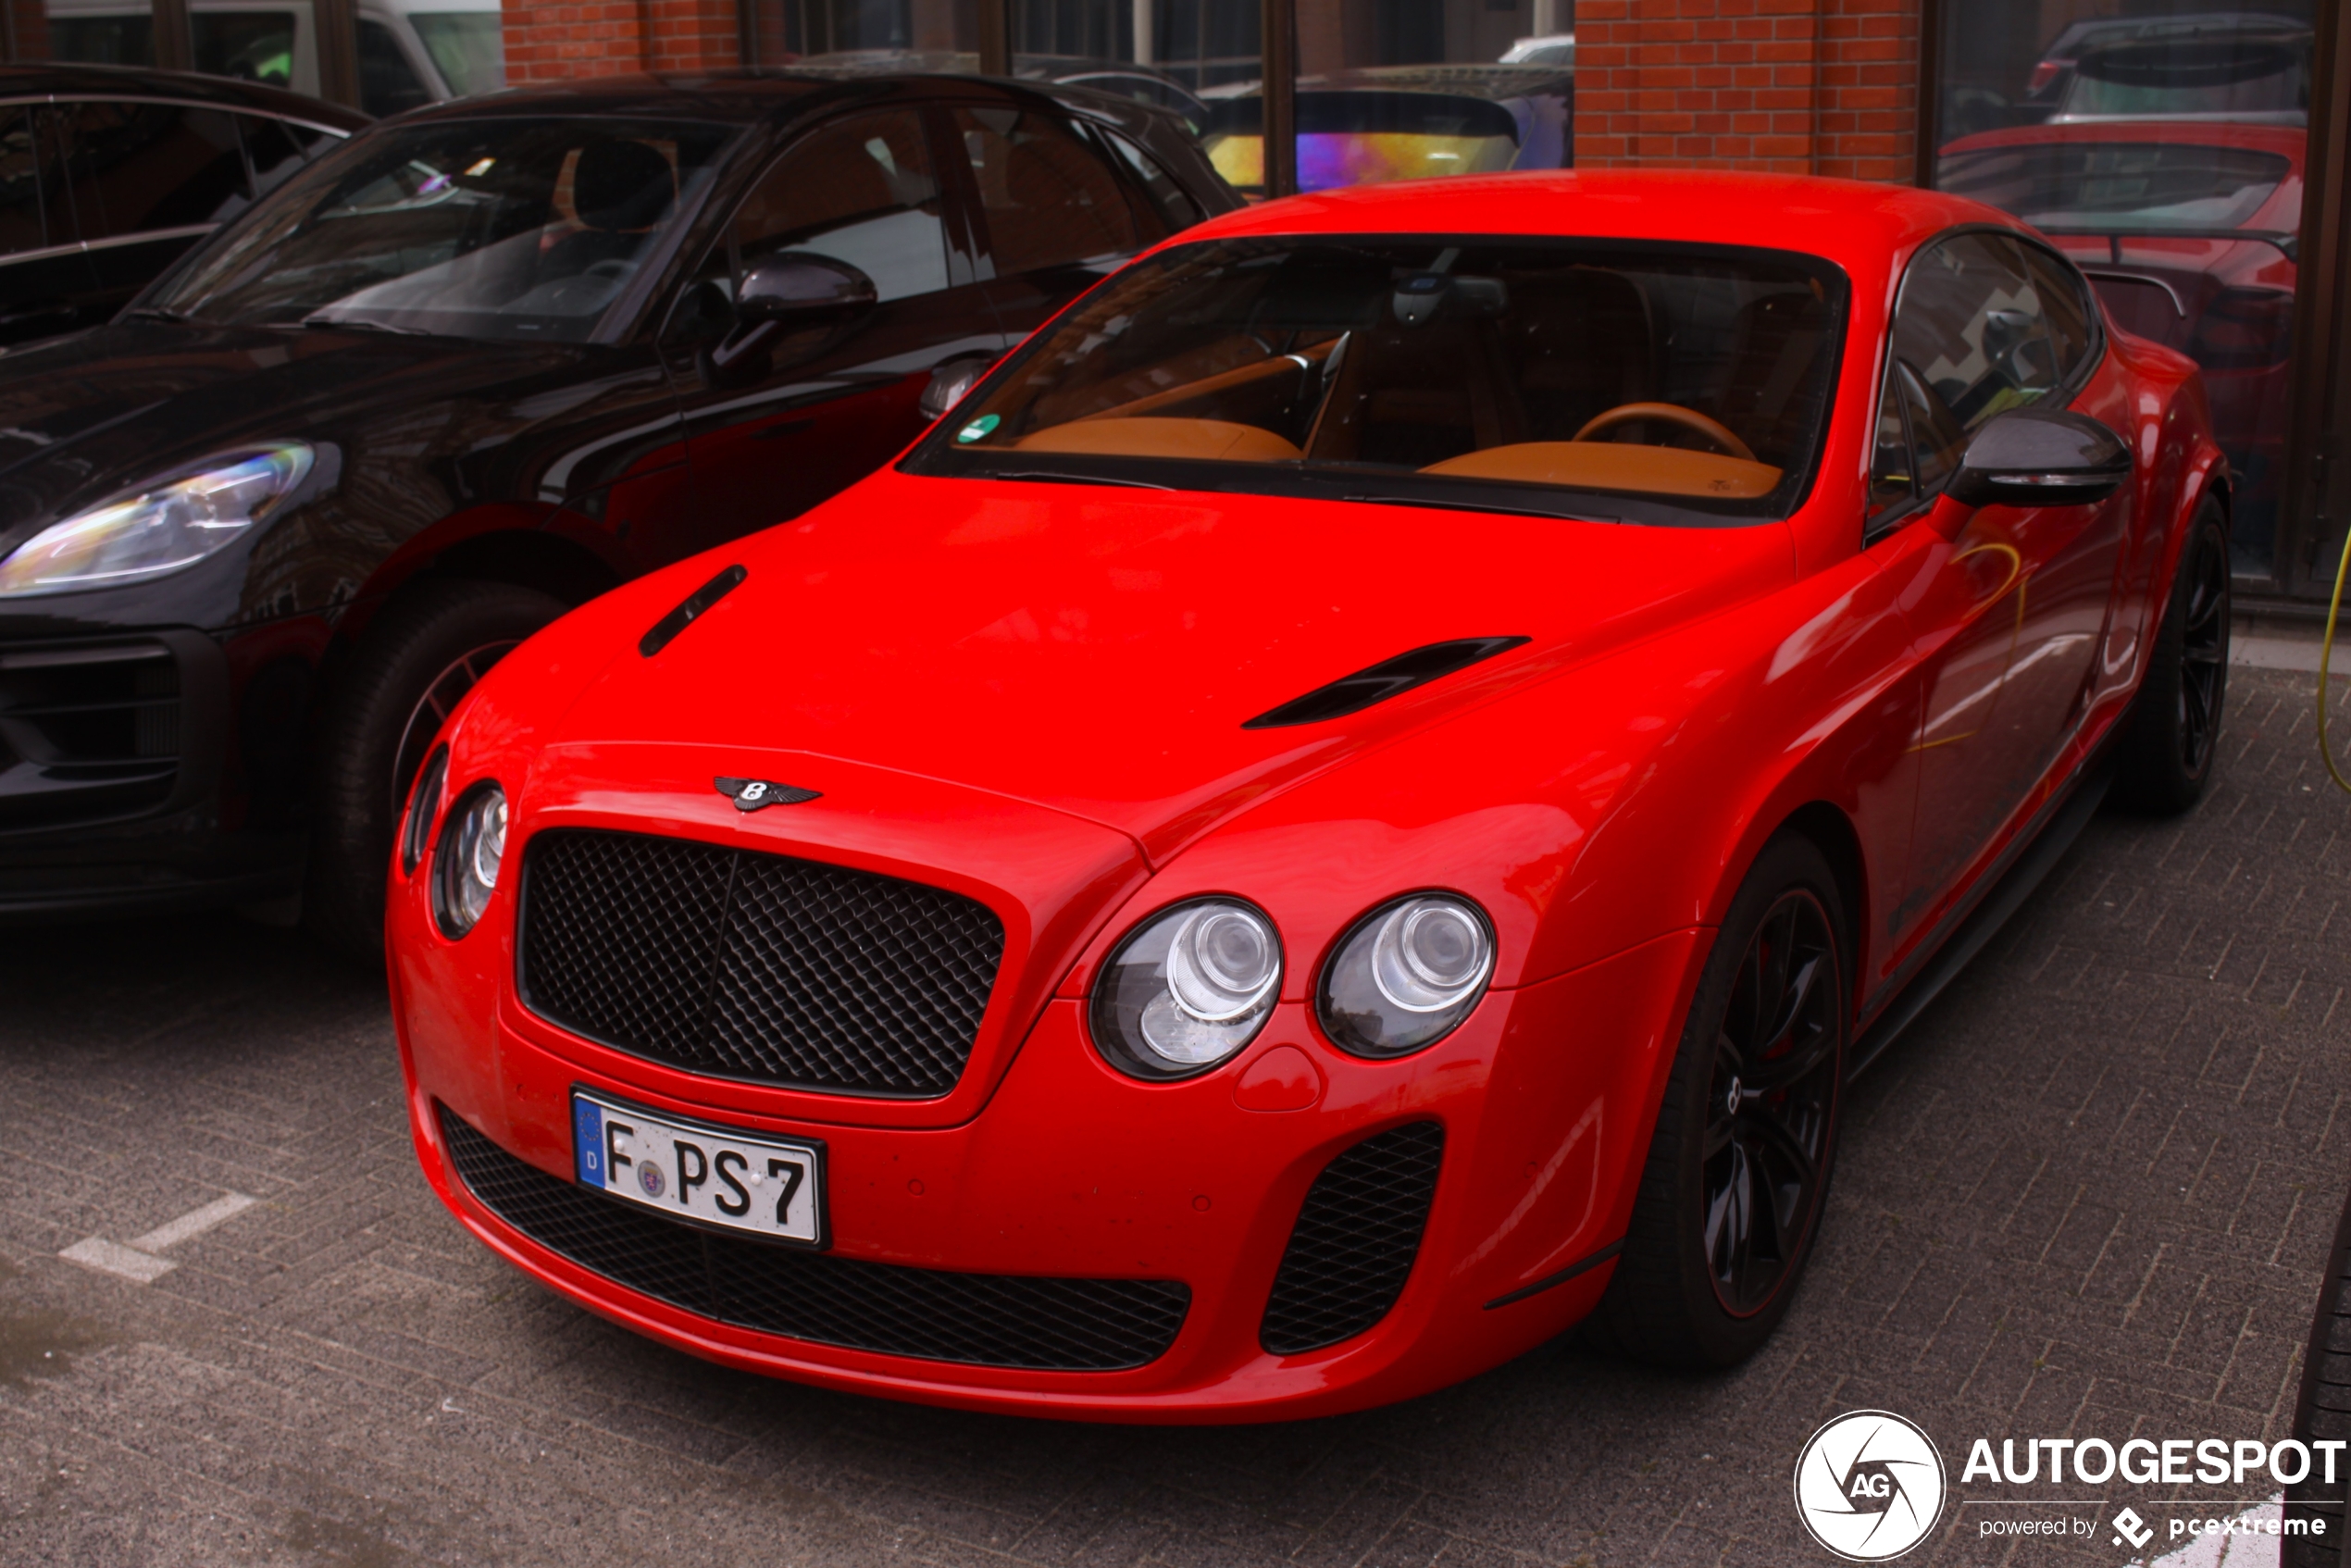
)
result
[(1172, 207), (137, 167), (1971, 328), (276, 148), (860, 190), (1048, 199), (2065, 299), (21, 224), (387, 84), (1892, 483)]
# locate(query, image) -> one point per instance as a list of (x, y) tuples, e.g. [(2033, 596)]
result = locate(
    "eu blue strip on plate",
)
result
[(587, 1140)]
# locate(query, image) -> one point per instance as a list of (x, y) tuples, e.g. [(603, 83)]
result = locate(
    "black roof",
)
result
[(108, 81), (750, 95)]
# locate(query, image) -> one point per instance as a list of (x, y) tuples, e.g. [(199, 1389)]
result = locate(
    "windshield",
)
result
[(524, 230), (469, 47), (1683, 383)]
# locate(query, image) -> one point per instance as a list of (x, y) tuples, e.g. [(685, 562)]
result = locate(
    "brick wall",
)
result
[(575, 38), (1795, 86)]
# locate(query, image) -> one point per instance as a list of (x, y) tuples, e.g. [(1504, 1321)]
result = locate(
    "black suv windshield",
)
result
[(1665, 383), (525, 229)]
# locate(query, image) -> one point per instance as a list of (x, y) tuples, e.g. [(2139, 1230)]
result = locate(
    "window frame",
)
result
[(1894, 518)]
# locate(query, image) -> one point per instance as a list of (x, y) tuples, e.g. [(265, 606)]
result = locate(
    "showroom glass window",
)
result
[(2162, 147)]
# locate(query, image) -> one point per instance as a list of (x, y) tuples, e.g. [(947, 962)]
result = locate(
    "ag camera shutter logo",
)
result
[(1868, 1486)]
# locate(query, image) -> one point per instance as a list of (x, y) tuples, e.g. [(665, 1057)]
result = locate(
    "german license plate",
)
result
[(771, 1187)]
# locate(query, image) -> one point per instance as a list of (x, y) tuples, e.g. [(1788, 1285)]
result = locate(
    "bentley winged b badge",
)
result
[(749, 794)]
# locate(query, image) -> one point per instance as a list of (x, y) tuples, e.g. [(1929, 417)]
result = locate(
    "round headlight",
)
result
[(1193, 985), (1406, 975), (466, 864)]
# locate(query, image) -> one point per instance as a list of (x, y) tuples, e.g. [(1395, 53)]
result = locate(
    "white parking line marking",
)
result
[(114, 1258), (196, 1222), (137, 1262)]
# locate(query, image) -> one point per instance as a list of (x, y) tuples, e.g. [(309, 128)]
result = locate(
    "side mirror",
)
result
[(778, 297), (951, 382), (804, 290), (2041, 458)]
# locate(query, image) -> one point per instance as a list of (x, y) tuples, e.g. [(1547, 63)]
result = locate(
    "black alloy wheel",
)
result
[(2204, 649), (1738, 1174), (434, 707), (2173, 734), (424, 652), (1772, 1097)]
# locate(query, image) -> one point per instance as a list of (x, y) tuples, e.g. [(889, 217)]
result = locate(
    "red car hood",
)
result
[(1096, 651)]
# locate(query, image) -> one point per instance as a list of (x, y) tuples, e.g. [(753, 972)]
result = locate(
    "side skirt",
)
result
[(2033, 857)]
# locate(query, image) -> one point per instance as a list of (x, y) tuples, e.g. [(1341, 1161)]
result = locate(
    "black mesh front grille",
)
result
[(978, 1319), (755, 967), (1356, 1236)]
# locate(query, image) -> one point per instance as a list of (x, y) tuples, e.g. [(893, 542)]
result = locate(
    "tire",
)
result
[(426, 650), (1686, 1293), (2174, 728), (2323, 1413)]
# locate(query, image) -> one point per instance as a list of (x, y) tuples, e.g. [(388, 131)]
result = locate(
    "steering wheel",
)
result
[(1673, 413), (613, 269)]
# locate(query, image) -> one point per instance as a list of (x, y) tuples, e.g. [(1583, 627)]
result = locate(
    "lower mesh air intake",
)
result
[(1355, 1240), (978, 1319)]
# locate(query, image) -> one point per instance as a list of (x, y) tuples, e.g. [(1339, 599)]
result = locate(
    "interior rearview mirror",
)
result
[(951, 382), (2041, 458)]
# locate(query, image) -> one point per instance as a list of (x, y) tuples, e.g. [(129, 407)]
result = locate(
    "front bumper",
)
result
[(143, 771), (1070, 1170)]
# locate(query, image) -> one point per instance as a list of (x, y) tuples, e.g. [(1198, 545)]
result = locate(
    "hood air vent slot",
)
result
[(684, 615), (1389, 678)]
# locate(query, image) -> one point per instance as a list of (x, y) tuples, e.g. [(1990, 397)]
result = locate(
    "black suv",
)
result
[(107, 176), (468, 369)]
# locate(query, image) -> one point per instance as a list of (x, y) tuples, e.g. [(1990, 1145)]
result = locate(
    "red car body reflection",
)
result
[(1032, 696), (2226, 303)]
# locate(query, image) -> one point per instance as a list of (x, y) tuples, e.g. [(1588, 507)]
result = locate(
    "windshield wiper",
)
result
[(157, 312), (1041, 475), (361, 324)]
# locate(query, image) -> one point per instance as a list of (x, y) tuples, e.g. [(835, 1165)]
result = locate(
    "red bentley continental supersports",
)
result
[(1356, 804)]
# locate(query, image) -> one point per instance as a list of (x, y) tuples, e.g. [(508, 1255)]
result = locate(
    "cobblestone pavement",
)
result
[(2091, 1193)]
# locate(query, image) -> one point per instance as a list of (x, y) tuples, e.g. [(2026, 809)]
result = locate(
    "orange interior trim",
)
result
[(1591, 464), (1213, 440)]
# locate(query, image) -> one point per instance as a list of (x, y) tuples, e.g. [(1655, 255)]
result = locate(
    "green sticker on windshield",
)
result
[(979, 428)]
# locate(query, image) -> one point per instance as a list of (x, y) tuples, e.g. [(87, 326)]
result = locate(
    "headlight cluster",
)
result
[(1195, 983), (172, 524), (466, 862)]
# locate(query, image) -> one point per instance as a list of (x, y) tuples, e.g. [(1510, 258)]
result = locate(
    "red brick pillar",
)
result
[(31, 18), (557, 40), (1791, 86)]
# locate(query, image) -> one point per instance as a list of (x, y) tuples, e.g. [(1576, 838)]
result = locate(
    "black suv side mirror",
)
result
[(2041, 458), (804, 290), (777, 297)]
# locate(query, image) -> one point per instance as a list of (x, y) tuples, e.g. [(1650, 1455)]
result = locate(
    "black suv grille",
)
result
[(978, 1319), (755, 967), (87, 732), (1356, 1236)]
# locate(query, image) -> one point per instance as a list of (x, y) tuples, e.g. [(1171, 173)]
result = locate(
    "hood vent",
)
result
[(684, 615), (1389, 678)]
